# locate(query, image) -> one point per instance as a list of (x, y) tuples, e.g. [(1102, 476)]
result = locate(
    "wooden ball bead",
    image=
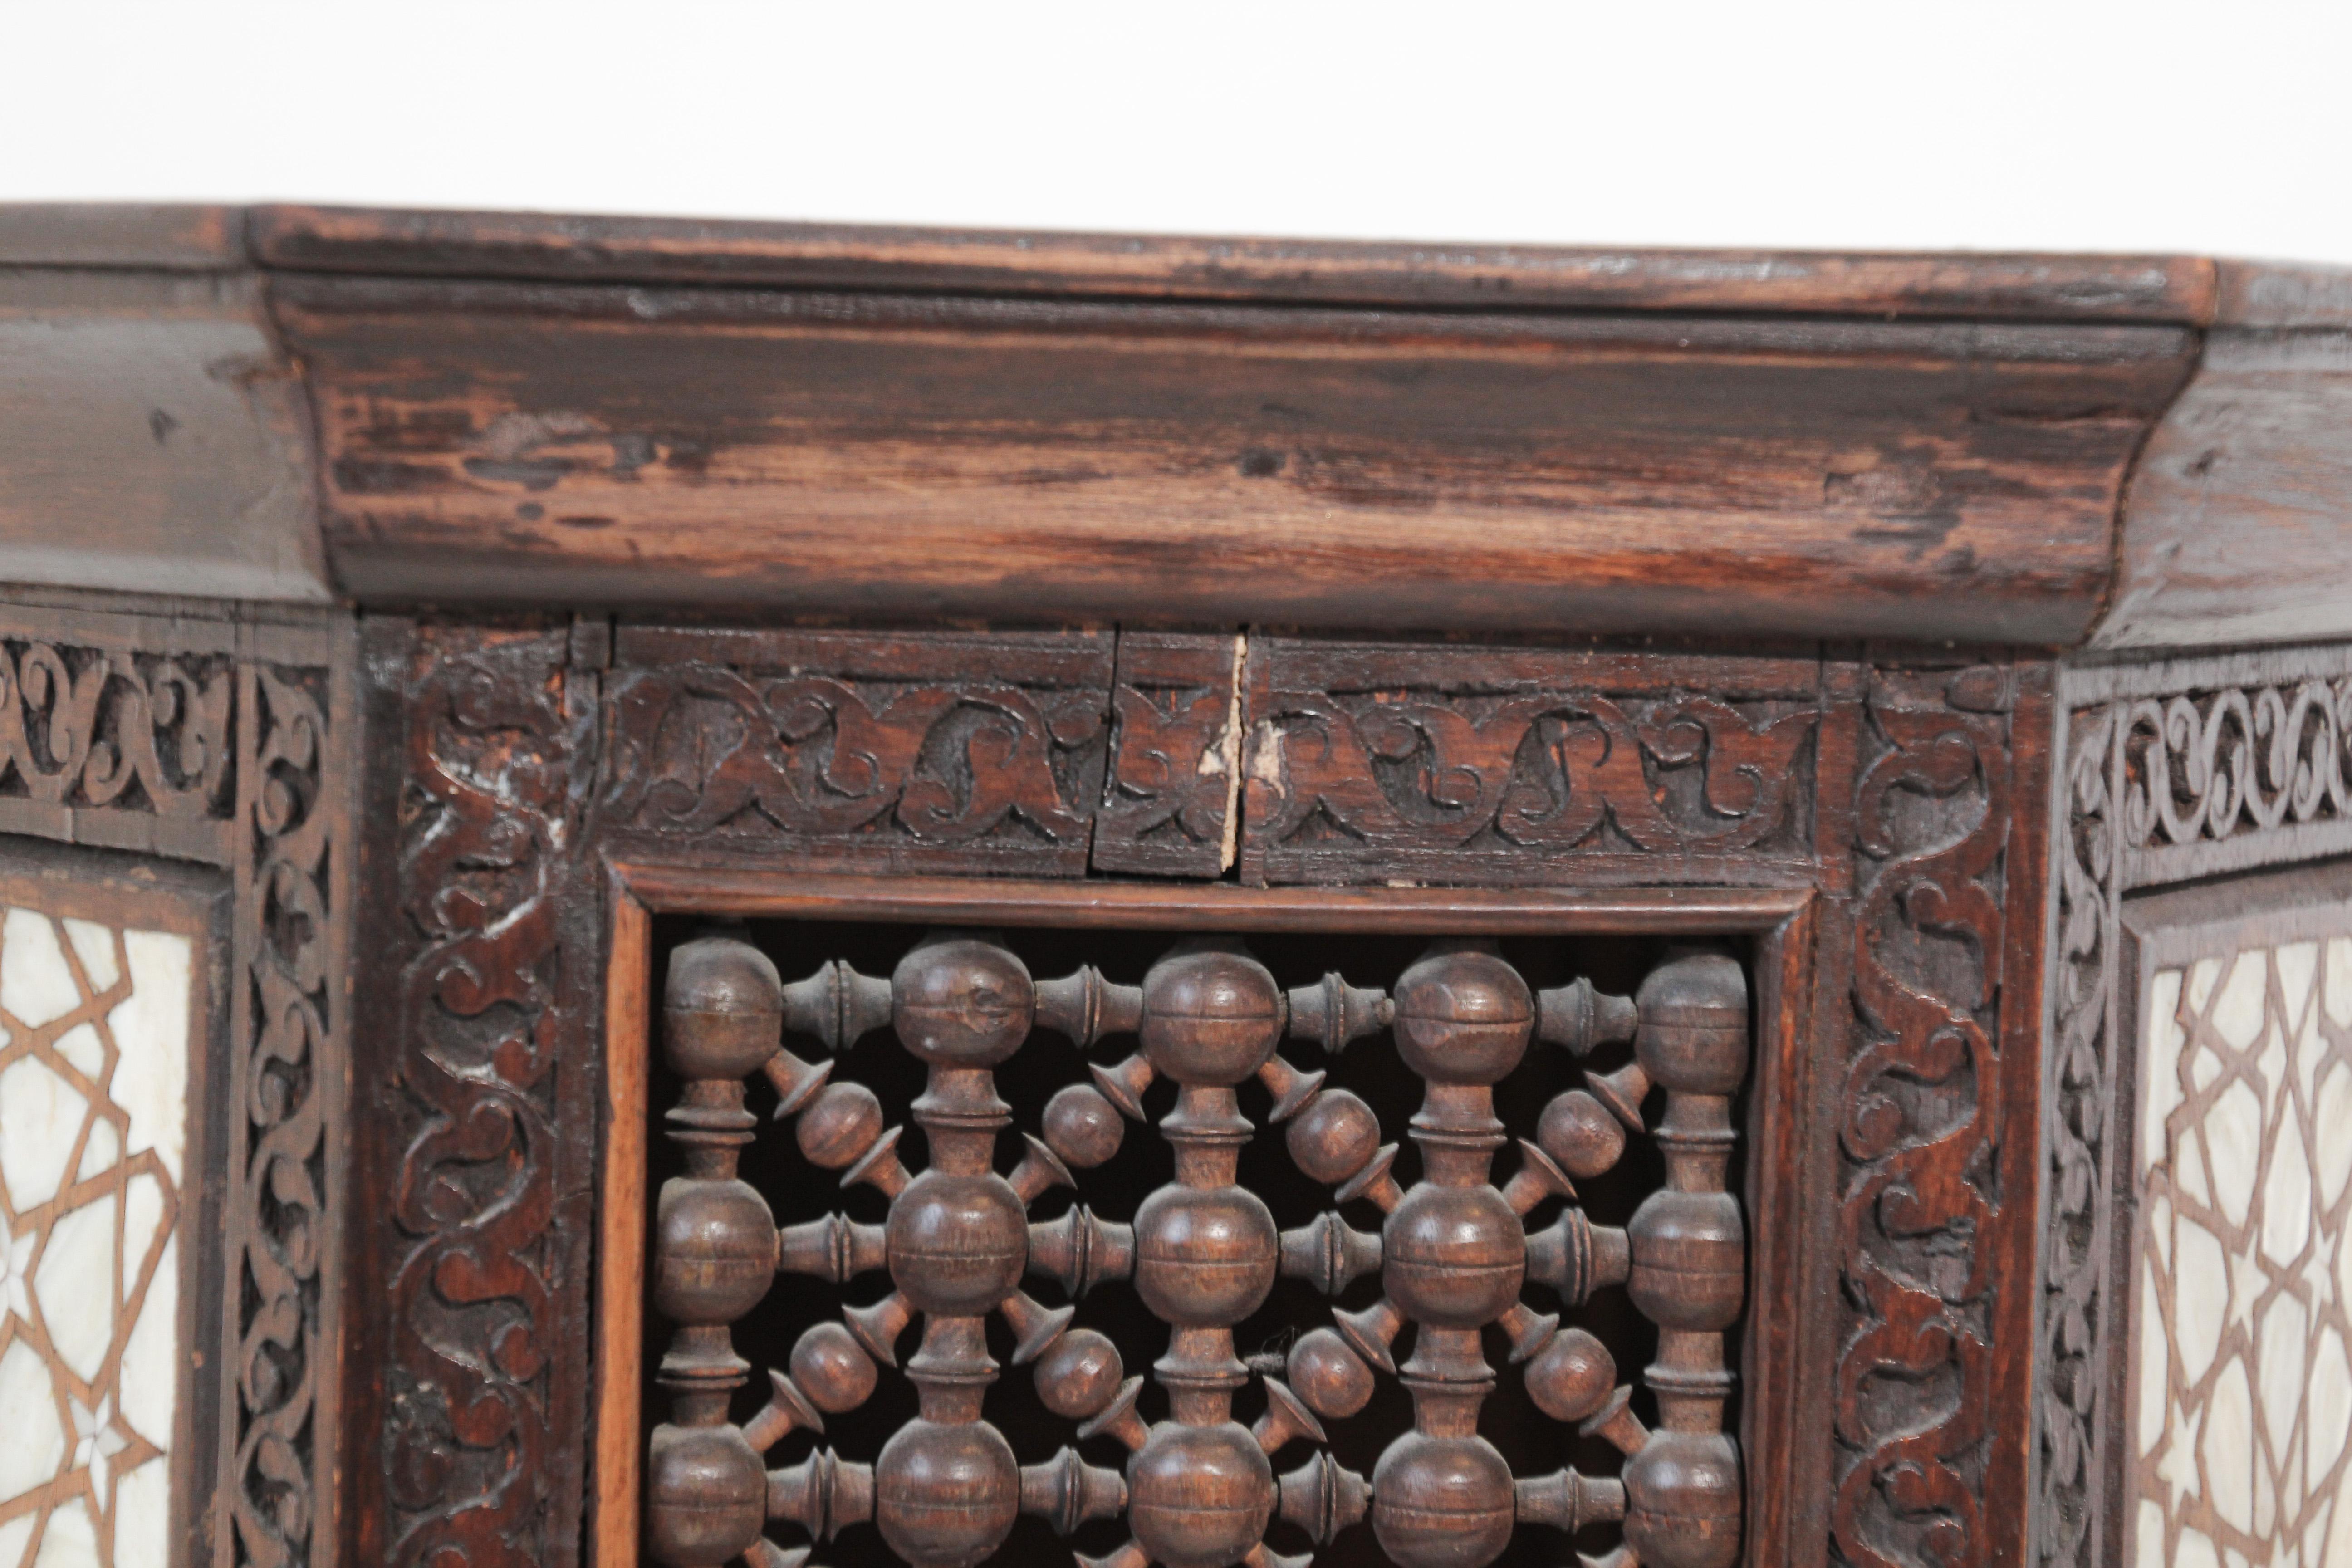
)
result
[(1335, 1137), (946, 1495), (706, 1496), (1210, 1017), (1579, 1131), (1079, 1376), (1442, 1502), (830, 1366), (1463, 1016), (1571, 1376), (722, 1009), (714, 1250), (1694, 1033), (1453, 1258), (1682, 1500), (957, 1244), (1082, 1127), (1689, 1259), (1332, 1379), (1199, 1497), (960, 1002), (839, 1126), (1204, 1257)]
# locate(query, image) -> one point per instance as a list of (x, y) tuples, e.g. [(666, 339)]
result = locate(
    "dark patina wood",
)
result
[(1093, 583)]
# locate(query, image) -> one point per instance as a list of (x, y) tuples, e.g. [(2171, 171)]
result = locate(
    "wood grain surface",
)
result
[(2238, 528), (151, 438), (2173, 289), (870, 456)]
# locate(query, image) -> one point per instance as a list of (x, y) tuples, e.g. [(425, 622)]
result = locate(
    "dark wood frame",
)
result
[(501, 840), (1780, 919)]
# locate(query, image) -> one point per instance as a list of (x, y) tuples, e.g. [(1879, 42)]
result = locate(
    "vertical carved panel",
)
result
[(1936, 1202), (477, 1105), (288, 1019)]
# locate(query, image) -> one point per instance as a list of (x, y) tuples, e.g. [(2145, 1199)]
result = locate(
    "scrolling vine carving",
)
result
[(490, 1102), (287, 908), (1921, 1122), (1441, 761), (945, 749), (114, 730)]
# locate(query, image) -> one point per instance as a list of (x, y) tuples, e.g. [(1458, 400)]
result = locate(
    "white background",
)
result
[(2220, 127)]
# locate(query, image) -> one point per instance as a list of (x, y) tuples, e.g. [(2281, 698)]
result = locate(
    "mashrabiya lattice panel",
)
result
[(93, 1124), (1199, 1490), (2241, 1401)]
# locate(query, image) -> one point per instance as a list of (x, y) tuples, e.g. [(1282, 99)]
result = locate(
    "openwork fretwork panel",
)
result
[(1184, 1446), (95, 1024)]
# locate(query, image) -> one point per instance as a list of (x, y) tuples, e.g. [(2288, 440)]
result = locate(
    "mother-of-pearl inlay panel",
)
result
[(2243, 1349), (95, 1028)]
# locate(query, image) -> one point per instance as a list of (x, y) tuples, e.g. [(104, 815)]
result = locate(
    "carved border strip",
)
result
[(2170, 772), (1471, 763), (478, 1110), (228, 744), (1932, 1243)]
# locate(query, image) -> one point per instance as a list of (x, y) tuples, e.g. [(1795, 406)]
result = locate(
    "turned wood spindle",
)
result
[(1689, 1266), (714, 1253)]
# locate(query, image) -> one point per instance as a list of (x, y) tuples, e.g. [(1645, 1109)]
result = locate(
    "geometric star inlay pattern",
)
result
[(2242, 1441), (94, 1038)]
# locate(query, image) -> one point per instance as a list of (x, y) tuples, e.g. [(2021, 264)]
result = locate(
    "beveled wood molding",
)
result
[(505, 409)]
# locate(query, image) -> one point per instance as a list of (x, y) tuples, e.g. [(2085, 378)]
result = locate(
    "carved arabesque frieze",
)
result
[(118, 731), (982, 749), (1453, 763)]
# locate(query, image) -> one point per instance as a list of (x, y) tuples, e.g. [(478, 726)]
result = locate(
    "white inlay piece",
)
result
[(2241, 1417), (96, 1027)]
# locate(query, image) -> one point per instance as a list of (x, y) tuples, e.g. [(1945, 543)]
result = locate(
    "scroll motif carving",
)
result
[(288, 899), (119, 730), (1445, 762), (2248, 759), (949, 752), (486, 1103), (1921, 1122), (1175, 757), (2078, 1133)]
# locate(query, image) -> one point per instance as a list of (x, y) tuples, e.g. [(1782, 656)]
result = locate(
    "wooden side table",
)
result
[(678, 892)]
